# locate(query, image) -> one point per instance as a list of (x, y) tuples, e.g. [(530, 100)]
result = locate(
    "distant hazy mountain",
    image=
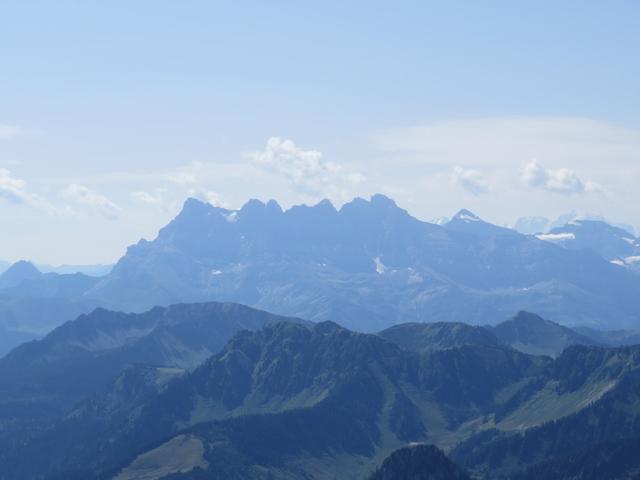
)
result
[(17, 273), (368, 265), (525, 332), (611, 338), (320, 402), (529, 333), (536, 224), (469, 223), (419, 462), (97, 270), (33, 303), (574, 217), (532, 225), (611, 243)]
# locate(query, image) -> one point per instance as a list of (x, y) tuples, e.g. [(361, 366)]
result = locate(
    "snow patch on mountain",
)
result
[(556, 237), (380, 267)]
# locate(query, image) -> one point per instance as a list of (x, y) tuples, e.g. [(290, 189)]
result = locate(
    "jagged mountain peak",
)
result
[(465, 215), (255, 205), (325, 203), (380, 199), (468, 222), (377, 202), (194, 206), (193, 213), (305, 262)]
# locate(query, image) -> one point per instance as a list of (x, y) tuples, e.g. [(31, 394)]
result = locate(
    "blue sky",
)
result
[(111, 113)]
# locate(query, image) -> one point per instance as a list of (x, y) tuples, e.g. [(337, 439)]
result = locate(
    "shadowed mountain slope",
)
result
[(45, 377), (610, 413), (288, 400), (300, 401)]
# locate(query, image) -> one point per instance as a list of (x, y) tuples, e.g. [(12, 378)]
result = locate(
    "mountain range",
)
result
[(367, 266), (97, 270), (225, 391)]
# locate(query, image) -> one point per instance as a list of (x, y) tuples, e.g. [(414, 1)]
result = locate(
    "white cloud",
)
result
[(9, 132), (88, 198), (305, 169), (208, 196), (508, 141), (603, 155), (184, 177), (471, 180), (161, 199), (148, 198), (155, 198), (12, 189), (562, 180), (15, 190)]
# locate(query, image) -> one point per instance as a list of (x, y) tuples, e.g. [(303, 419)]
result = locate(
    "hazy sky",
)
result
[(112, 113)]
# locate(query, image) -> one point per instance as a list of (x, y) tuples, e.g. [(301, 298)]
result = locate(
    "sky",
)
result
[(113, 113)]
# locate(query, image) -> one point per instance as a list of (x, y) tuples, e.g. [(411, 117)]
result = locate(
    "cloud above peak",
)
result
[(471, 180), (83, 196), (209, 196), (561, 180), (14, 190), (307, 170), (182, 177), (11, 188)]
